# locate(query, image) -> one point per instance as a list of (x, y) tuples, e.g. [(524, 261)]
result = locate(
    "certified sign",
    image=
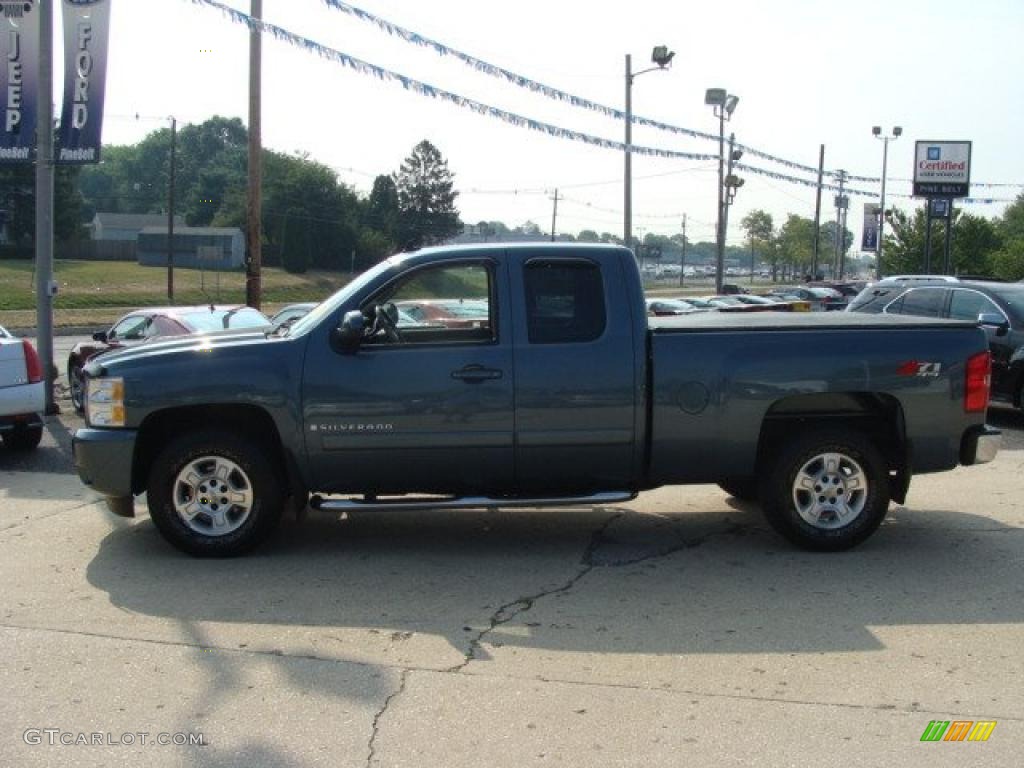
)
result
[(942, 169)]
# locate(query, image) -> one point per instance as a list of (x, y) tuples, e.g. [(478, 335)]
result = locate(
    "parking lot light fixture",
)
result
[(876, 130), (662, 57)]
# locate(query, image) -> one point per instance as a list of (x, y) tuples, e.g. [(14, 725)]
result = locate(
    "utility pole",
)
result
[(817, 214), (254, 262), (45, 285), (682, 258), (554, 216), (720, 239), (170, 214), (840, 233), (627, 203), (730, 192)]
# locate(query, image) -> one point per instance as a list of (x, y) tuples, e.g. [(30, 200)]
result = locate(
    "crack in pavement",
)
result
[(515, 608), (403, 679), (520, 605)]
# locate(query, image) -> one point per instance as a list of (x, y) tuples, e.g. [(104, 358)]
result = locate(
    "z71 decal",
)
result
[(915, 368)]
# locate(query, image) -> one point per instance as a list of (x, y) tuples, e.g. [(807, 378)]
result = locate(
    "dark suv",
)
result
[(998, 307)]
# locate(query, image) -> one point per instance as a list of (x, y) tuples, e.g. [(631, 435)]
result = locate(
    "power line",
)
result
[(521, 81)]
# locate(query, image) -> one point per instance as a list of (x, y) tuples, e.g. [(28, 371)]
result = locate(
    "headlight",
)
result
[(104, 402)]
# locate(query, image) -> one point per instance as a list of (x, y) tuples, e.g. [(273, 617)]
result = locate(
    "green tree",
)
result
[(795, 243), (975, 242), (426, 198), (1011, 224), (760, 231), (382, 209), (18, 201)]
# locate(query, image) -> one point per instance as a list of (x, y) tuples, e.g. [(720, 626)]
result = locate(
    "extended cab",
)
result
[(549, 386)]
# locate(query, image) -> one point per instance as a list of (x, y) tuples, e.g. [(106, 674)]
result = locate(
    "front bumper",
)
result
[(103, 459), (980, 445)]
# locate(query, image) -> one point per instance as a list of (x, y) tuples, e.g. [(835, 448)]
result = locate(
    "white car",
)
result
[(22, 397)]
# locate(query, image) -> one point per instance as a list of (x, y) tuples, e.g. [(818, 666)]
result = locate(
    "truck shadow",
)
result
[(587, 580)]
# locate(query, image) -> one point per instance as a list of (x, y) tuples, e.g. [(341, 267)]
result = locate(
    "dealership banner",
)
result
[(869, 237), (942, 169), (86, 29), (19, 79)]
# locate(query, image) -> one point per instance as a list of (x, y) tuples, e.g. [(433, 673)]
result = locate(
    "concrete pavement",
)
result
[(676, 630)]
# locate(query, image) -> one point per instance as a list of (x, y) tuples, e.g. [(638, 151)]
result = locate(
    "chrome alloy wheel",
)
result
[(213, 496), (830, 491)]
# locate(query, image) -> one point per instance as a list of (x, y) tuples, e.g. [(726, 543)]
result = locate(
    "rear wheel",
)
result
[(214, 494), (827, 491), (23, 438)]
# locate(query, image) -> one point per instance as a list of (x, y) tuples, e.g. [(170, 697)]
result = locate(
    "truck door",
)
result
[(575, 375), (427, 407)]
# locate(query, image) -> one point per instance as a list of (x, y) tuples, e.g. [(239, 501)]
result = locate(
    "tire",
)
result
[(214, 493), (742, 488), (77, 386), (827, 491), (23, 438)]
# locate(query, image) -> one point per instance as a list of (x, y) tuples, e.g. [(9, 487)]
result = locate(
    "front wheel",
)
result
[(828, 491), (214, 494)]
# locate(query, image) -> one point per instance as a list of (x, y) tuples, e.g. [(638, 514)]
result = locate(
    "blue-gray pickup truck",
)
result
[(530, 375)]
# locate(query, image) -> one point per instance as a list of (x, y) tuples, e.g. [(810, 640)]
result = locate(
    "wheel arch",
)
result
[(876, 415), (160, 427)]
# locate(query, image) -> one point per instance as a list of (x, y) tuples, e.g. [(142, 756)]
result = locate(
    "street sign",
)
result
[(942, 169)]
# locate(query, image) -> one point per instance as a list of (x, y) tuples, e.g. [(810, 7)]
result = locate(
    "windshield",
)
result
[(220, 319), (330, 304)]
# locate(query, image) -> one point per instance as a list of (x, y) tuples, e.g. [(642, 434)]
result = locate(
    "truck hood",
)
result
[(193, 344)]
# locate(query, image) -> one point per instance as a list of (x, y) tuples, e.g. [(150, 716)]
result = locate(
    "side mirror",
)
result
[(995, 321), (100, 336), (350, 331)]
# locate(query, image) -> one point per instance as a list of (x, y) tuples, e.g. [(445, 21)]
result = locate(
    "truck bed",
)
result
[(799, 321)]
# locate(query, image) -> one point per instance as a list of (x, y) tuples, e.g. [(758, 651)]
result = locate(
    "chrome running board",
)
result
[(466, 502)]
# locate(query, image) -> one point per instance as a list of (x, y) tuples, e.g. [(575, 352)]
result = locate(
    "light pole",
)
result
[(662, 57), (724, 103), (876, 130)]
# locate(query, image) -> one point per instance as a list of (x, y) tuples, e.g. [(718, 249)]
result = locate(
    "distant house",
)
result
[(194, 247), (126, 226)]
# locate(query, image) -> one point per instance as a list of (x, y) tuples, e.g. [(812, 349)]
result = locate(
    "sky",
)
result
[(807, 72)]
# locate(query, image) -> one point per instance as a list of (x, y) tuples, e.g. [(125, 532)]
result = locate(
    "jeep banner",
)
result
[(86, 28), (19, 68)]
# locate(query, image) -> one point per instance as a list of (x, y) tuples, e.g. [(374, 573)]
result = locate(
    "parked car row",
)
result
[(143, 325), (997, 307)]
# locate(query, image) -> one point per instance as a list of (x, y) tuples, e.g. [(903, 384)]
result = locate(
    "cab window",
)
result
[(564, 301), (444, 304)]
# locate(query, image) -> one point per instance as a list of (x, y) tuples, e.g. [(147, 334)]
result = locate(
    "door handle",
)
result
[(476, 373)]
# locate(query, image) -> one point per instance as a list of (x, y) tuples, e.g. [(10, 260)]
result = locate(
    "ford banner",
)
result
[(19, 65), (86, 28)]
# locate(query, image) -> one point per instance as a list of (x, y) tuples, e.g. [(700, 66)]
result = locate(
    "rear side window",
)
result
[(967, 305), (920, 302), (564, 301)]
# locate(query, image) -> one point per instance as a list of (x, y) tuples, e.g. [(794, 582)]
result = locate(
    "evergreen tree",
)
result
[(426, 198)]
